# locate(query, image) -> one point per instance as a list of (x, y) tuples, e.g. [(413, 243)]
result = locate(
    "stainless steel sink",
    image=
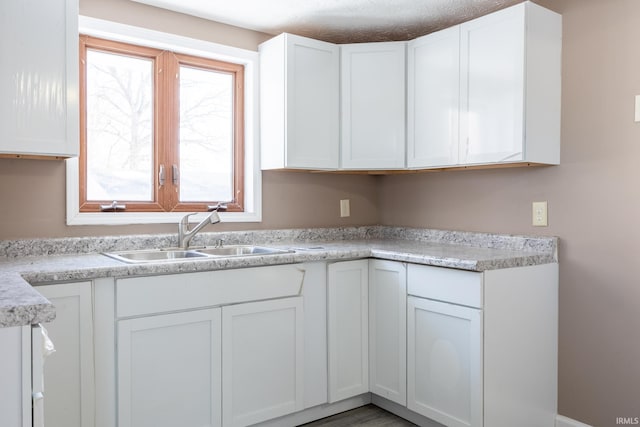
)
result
[(241, 250), (162, 255), (154, 255)]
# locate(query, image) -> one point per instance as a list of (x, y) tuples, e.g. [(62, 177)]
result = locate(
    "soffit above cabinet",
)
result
[(339, 21)]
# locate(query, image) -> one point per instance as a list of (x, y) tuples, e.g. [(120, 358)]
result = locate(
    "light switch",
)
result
[(637, 119), (540, 214), (344, 208)]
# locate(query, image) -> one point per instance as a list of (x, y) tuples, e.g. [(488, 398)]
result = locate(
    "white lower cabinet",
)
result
[(262, 359), (15, 376), (444, 363), (348, 326), (388, 330), (216, 348), (69, 372), (169, 370), (244, 346)]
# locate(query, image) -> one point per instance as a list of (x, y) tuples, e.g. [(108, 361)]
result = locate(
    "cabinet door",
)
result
[(388, 330), (39, 78), (300, 103), (444, 362), (348, 321), (373, 105), (15, 380), (433, 99), (169, 370), (69, 372), (262, 357), (492, 87)]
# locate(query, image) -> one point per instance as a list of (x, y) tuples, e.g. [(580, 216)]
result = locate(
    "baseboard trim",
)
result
[(327, 410), (562, 421), (403, 412), (318, 412)]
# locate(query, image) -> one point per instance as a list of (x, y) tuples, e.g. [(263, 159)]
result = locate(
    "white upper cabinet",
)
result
[(373, 105), (510, 86), (39, 78), (480, 93), (487, 91), (299, 103), (433, 99)]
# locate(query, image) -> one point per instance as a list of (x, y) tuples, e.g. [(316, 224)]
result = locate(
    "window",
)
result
[(161, 131)]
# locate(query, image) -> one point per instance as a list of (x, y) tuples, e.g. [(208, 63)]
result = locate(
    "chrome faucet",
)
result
[(185, 235)]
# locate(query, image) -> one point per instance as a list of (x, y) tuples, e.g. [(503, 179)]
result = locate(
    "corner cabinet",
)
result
[(299, 103), (508, 68), (388, 330), (348, 328), (433, 99), (39, 79), (373, 105)]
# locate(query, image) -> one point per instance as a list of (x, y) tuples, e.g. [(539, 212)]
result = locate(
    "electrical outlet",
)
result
[(540, 218), (345, 209)]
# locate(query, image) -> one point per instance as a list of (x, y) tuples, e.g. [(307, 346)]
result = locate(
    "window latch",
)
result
[(113, 207), (161, 175), (218, 208), (174, 174)]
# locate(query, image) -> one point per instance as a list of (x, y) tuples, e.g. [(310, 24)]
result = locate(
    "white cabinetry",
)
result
[(482, 347), (445, 362), (348, 326), (388, 330), (508, 67), (433, 99), (39, 78), (212, 348), (510, 86), (69, 372), (373, 105), (169, 370), (15, 376), (299, 103), (262, 356)]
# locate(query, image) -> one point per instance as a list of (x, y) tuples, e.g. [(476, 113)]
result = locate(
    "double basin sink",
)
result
[(174, 254)]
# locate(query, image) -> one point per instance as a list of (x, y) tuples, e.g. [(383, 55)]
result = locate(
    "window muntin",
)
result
[(197, 151)]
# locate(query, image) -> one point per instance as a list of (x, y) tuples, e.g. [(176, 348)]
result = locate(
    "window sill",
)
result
[(127, 218)]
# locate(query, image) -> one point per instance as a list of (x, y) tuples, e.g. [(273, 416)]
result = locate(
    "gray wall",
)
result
[(594, 196)]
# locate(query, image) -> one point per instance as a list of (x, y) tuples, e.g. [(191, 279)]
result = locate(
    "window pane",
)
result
[(119, 127), (206, 135)]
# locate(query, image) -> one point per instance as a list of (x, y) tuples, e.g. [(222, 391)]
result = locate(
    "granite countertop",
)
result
[(24, 263)]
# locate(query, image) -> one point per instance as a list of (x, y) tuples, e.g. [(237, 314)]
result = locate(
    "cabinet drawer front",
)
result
[(156, 294), (445, 284)]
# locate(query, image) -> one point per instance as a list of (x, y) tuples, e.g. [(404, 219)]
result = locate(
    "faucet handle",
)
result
[(185, 219)]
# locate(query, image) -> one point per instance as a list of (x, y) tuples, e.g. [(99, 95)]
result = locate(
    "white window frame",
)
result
[(252, 173)]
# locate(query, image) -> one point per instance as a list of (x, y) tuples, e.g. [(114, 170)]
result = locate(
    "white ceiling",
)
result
[(338, 21)]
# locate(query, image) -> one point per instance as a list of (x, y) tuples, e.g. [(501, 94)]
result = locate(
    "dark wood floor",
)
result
[(370, 416)]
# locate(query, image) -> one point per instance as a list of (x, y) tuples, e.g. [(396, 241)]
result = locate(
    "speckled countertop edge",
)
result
[(36, 261)]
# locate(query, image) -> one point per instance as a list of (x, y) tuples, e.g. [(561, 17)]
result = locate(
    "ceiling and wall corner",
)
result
[(594, 201)]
